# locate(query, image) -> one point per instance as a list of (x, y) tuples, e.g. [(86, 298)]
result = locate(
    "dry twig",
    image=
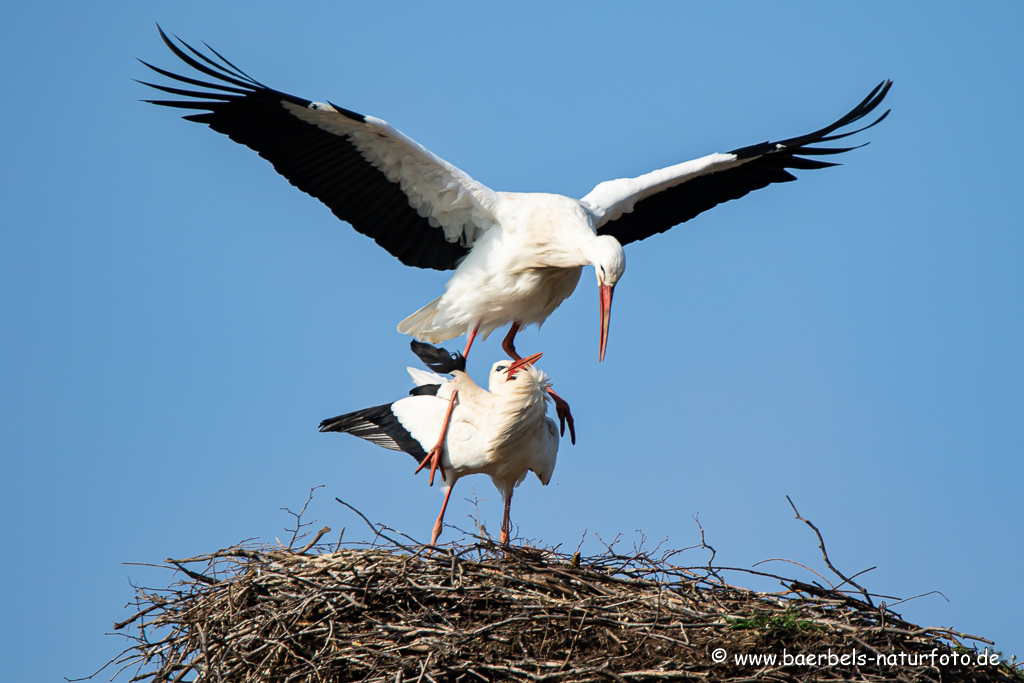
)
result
[(387, 614)]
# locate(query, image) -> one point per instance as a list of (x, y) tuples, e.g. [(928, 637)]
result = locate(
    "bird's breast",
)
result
[(496, 297)]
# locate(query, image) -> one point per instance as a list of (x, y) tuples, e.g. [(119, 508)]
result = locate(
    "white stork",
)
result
[(503, 432), (516, 256)]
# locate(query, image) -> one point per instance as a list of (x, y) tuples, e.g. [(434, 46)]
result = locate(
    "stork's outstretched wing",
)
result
[(631, 209), (419, 207), (380, 425)]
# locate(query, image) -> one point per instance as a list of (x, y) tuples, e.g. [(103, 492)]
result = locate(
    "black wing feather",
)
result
[(322, 164), (438, 359), (377, 425), (767, 165), (425, 390)]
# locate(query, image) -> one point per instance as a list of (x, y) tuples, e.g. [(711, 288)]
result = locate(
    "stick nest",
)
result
[(395, 613)]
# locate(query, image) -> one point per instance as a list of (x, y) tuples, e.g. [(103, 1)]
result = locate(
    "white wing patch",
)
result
[(423, 377), (422, 417), (613, 198), (446, 196)]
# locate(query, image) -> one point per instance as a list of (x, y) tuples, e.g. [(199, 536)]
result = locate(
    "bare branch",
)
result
[(316, 538), (824, 554), (299, 524), (389, 613)]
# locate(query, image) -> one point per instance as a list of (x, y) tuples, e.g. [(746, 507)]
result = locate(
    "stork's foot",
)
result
[(434, 458), (564, 415)]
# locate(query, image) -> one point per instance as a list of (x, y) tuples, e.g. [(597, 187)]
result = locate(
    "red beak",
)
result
[(523, 362), (606, 317)]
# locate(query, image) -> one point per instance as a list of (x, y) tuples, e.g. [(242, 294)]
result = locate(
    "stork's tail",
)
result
[(421, 323)]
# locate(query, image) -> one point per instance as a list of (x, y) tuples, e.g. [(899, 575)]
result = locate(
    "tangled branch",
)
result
[(394, 612)]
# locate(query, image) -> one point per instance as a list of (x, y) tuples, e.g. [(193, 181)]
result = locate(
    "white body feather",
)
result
[(520, 273)]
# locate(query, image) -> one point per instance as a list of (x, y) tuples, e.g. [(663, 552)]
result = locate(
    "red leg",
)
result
[(564, 415), (434, 456), (505, 523), (469, 342), (509, 342), (440, 518)]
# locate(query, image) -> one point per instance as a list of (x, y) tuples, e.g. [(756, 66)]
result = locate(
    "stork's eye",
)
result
[(501, 368)]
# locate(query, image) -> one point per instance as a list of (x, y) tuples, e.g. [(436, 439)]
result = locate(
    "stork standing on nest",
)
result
[(516, 255), (502, 431)]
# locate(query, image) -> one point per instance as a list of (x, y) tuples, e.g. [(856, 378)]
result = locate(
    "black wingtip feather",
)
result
[(219, 72), (195, 81), (764, 163), (438, 359), (238, 72), (798, 145)]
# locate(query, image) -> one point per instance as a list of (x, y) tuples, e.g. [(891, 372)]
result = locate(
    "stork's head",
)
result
[(507, 370), (515, 375), (609, 261)]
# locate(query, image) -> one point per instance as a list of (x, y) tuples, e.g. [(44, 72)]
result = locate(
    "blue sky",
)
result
[(178, 319)]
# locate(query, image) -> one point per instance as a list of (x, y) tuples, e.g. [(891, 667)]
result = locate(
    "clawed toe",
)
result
[(434, 458), (564, 416)]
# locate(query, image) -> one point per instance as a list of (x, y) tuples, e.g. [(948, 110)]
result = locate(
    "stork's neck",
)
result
[(470, 391), (521, 402)]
